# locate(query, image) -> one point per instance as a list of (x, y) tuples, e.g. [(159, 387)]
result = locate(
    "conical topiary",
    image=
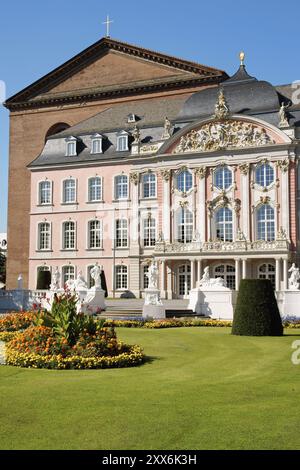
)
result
[(256, 312)]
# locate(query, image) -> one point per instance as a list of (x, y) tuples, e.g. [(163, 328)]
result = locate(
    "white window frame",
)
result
[(122, 137), (265, 221), (145, 279), (64, 191), (226, 273), (64, 248), (99, 139), (90, 180), (267, 273), (122, 275), (71, 143), (118, 185), (188, 228), (263, 166), (62, 273), (121, 230), (40, 191), (49, 247), (225, 223), (150, 185), (215, 172), (149, 225), (178, 175), (90, 247)]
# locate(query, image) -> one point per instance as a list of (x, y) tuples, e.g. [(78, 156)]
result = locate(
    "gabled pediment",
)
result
[(109, 67)]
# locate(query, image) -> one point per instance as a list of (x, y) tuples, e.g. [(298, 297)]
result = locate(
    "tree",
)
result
[(256, 312)]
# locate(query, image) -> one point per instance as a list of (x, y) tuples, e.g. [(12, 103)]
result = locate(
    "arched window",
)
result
[(45, 192), (96, 144), (264, 175), (226, 272), (69, 235), (121, 187), (267, 271), (69, 191), (224, 225), (145, 277), (184, 181), (184, 280), (265, 223), (95, 189), (223, 177), (44, 236), (121, 233), (185, 226), (149, 232), (121, 277), (149, 185), (68, 274), (95, 234)]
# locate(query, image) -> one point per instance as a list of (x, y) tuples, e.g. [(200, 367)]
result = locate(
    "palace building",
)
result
[(124, 155)]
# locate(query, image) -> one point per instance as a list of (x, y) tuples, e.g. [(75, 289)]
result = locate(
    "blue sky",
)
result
[(38, 36)]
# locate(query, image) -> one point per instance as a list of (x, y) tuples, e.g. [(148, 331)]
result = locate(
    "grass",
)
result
[(202, 389)]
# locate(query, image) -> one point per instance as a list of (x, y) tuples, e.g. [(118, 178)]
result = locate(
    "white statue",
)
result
[(153, 275), (167, 129), (283, 115), (136, 135), (207, 281), (294, 277), (80, 282), (96, 275), (55, 280)]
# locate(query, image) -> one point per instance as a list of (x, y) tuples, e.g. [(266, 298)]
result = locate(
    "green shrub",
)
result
[(43, 280), (256, 312)]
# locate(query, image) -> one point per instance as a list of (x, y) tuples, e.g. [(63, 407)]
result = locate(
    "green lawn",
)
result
[(203, 389)]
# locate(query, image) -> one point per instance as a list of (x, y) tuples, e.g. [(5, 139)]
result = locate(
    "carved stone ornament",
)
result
[(283, 165), (200, 172), (220, 201), (134, 178), (183, 204), (244, 168), (265, 199), (221, 106), (237, 205), (167, 129), (281, 234), (223, 134), (136, 134), (165, 174)]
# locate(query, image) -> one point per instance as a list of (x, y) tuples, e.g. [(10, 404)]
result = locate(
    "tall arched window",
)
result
[(267, 271), (69, 191), (149, 185), (69, 235), (184, 181), (223, 177), (95, 234), (45, 192), (44, 236), (224, 225), (185, 226), (265, 223), (264, 174)]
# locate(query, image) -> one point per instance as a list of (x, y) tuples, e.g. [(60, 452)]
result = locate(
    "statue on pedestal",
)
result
[(284, 122), (294, 277), (153, 275), (80, 283), (96, 275), (207, 281), (55, 280)]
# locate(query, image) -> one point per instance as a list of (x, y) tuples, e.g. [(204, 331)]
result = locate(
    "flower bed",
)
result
[(168, 323), (39, 347), (16, 321)]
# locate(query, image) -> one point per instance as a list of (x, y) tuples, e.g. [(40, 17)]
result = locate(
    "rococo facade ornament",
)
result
[(165, 174), (223, 134), (200, 172)]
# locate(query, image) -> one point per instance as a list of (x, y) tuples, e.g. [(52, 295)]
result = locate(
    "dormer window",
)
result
[(122, 141), (71, 150), (131, 118), (96, 144)]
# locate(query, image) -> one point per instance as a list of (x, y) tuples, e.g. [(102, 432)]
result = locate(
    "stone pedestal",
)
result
[(289, 303), (92, 301), (212, 302), (153, 306)]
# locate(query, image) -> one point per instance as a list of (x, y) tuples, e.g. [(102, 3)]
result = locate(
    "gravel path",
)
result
[(2, 352)]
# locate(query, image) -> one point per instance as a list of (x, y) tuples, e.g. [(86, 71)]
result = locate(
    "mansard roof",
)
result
[(184, 73)]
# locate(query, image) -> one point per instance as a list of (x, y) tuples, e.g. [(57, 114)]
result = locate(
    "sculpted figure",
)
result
[(283, 115), (153, 275), (294, 277), (80, 282), (96, 275), (207, 281), (55, 279)]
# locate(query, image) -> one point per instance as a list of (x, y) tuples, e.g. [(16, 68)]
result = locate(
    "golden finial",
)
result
[(242, 57)]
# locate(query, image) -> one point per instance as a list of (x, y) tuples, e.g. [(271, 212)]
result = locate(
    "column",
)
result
[(192, 274), (199, 269), (134, 222), (163, 280), (237, 273), (285, 274), (244, 268), (277, 274), (166, 212), (245, 212), (169, 282)]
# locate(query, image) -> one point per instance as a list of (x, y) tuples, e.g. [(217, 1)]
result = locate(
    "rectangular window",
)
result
[(121, 277), (95, 189), (71, 149), (44, 239), (95, 238), (69, 235), (45, 192), (149, 232), (97, 146), (68, 274), (121, 233), (145, 277), (122, 143), (69, 191), (149, 185), (121, 187)]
